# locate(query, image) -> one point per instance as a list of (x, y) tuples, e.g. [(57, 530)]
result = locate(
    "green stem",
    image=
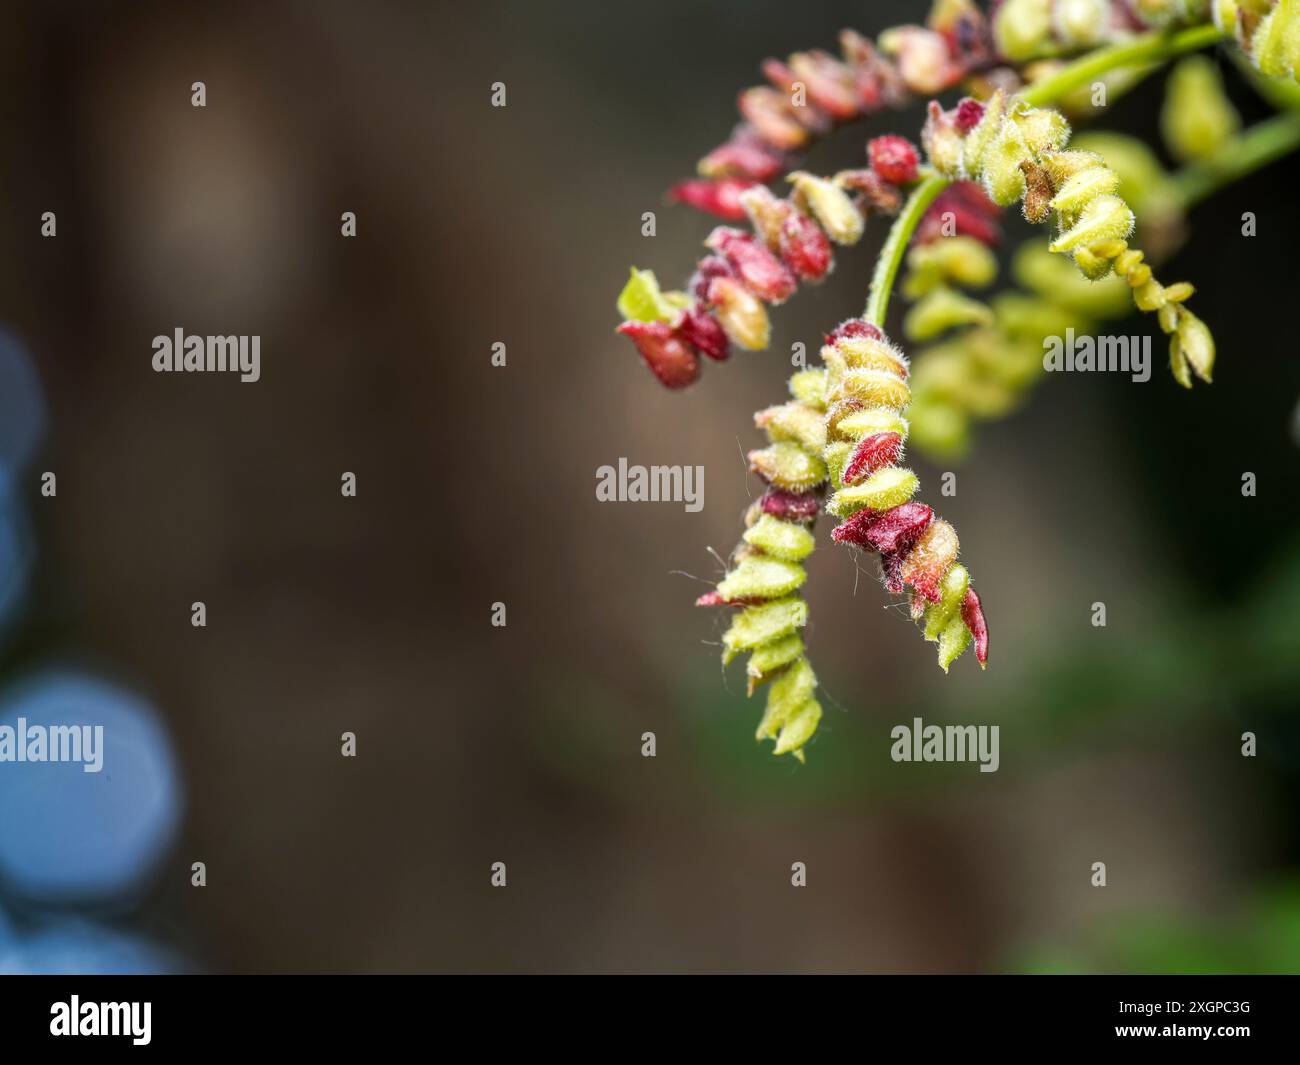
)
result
[(1237, 157), (900, 235), (1147, 48)]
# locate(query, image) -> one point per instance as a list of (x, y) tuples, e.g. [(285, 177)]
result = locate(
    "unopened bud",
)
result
[(1197, 118), (922, 56), (1021, 28), (761, 271), (894, 159), (1105, 218), (1080, 23), (720, 198), (700, 328), (670, 358), (804, 247), (942, 140), (1197, 345), (830, 205), (740, 313)]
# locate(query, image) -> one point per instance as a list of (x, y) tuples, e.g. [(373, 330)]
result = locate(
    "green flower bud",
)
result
[(954, 639), (1022, 27), (760, 577), (1084, 187), (1275, 46), (1004, 181), (1105, 218), (788, 466), (773, 656), (1091, 265), (1061, 166), (941, 310), (799, 729), (809, 387), (1043, 129), (952, 590), (1196, 343), (800, 424), (789, 694), (1197, 118), (830, 205), (836, 457), (876, 420), (883, 489), (740, 313), (762, 624), (979, 139), (780, 539), (960, 259)]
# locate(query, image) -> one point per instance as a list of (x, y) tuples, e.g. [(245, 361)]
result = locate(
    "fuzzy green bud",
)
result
[(1022, 27), (834, 210), (1197, 118), (941, 310), (1004, 181), (1196, 343), (1105, 218), (766, 623), (883, 489), (780, 539), (809, 387), (1084, 187), (788, 466), (760, 577)]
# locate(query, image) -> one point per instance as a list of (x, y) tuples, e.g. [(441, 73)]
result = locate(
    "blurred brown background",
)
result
[(476, 484)]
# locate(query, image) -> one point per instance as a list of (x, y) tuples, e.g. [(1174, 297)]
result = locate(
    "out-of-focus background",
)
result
[(476, 485)]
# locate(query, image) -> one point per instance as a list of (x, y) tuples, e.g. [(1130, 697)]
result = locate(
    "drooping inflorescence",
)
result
[(838, 442)]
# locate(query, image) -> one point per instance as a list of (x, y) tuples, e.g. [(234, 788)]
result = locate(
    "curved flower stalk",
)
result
[(812, 93), (844, 427), (726, 298), (1018, 152)]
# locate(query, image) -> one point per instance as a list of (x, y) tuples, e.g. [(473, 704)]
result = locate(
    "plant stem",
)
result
[(1239, 156), (1147, 48), (900, 235)]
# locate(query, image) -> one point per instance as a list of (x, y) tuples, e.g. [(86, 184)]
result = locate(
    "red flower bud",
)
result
[(874, 452), (720, 198), (854, 327), (805, 249), (894, 159), (700, 328), (790, 506), (972, 613), (744, 156), (969, 113), (829, 83), (760, 271), (891, 532), (670, 358), (706, 270)]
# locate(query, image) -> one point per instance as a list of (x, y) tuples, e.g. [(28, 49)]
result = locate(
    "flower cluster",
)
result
[(811, 93), (767, 570), (725, 299), (866, 396), (1018, 153), (842, 428)]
